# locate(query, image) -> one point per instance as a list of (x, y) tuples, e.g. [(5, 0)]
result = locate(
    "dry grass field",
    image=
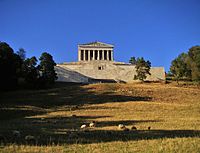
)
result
[(54, 116)]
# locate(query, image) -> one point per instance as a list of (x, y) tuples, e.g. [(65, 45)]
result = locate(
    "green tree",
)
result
[(22, 53), (194, 62), (133, 60), (179, 67), (30, 71), (142, 69), (10, 64), (46, 67)]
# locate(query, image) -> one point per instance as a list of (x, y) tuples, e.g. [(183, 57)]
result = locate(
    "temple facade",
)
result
[(95, 51), (96, 64)]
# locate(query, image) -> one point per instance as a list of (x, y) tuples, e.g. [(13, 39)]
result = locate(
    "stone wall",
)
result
[(103, 70)]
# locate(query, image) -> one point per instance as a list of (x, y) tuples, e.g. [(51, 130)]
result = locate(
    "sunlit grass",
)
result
[(54, 118)]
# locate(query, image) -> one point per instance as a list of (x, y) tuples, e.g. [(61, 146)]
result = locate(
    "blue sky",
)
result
[(157, 30)]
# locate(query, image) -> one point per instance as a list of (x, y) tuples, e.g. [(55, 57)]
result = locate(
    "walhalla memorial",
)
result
[(96, 64)]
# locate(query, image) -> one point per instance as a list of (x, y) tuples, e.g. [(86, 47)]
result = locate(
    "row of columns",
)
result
[(87, 55)]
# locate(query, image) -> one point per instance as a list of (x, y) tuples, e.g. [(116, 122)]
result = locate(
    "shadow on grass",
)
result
[(17, 106), (100, 136), (124, 122), (66, 130), (67, 94), (14, 103), (97, 136), (14, 113)]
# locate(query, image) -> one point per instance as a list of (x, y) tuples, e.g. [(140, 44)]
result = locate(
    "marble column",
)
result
[(112, 56), (83, 55), (93, 57), (79, 57), (98, 55), (88, 55)]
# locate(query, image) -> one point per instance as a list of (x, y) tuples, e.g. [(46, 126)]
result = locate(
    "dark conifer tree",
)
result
[(46, 68)]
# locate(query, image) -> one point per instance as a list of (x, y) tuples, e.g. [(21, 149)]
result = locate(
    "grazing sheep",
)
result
[(92, 124), (133, 128), (73, 115), (121, 126), (149, 128), (29, 138), (84, 126), (16, 133)]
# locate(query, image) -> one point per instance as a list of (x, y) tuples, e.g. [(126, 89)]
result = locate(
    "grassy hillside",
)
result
[(54, 118)]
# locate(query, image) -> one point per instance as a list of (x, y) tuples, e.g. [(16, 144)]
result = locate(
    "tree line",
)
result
[(187, 65), (17, 70), (184, 67)]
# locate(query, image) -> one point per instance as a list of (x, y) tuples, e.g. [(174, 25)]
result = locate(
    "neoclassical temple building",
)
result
[(95, 51), (96, 64)]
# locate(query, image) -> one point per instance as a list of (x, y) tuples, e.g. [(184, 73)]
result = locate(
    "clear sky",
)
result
[(157, 30)]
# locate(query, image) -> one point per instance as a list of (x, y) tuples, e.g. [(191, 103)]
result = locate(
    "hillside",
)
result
[(54, 118)]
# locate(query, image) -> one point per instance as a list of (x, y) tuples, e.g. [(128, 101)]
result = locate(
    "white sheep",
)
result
[(121, 126), (29, 138), (16, 133), (92, 124), (73, 115), (83, 126)]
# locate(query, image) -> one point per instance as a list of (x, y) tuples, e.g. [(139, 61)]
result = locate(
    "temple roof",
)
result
[(96, 44)]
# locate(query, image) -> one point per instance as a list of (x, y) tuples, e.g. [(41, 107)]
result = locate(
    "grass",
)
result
[(54, 118)]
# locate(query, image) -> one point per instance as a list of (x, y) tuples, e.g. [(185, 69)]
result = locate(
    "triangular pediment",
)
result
[(97, 44)]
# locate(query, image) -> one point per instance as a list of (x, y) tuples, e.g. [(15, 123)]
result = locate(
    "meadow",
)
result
[(54, 116)]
